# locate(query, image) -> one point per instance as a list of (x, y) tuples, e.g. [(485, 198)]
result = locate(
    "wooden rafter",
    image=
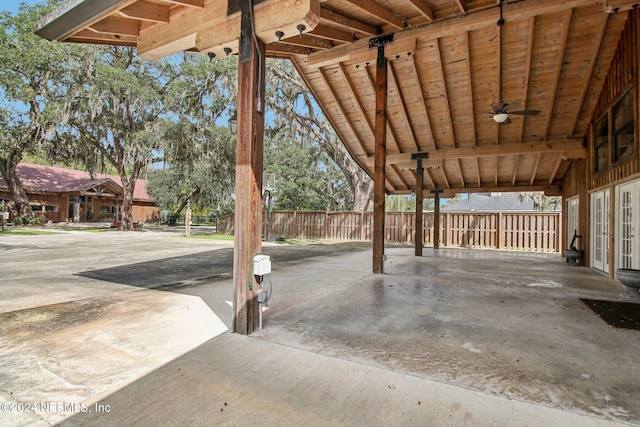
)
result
[(444, 177), (119, 26), (556, 167), (571, 149), (377, 10), (514, 175), (147, 11), (334, 34), (336, 100), (308, 41), (527, 71), (398, 172), (424, 8), (534, 171), (403, 106), (347, 22), (558, 70), (190, 3), (586, 83), (445, 90), (423, 105)]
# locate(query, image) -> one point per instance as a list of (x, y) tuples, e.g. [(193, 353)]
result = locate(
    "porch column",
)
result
[(380, 159), (419, 199), (249, 152), (436, 218)]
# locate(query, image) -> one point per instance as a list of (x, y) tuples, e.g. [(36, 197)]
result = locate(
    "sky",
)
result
[(13, 5)]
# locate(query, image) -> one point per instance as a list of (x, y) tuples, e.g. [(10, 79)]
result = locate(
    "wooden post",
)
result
[(380, 159), (419, 199), (436, 218), (248, 213)]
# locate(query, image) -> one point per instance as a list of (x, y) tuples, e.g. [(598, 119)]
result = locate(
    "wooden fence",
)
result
[(530, 231)]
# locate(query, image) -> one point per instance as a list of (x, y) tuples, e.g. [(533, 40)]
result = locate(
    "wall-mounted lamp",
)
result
[(301, 28), (211, 55), (279, 35), (227, 50), (233, 122)]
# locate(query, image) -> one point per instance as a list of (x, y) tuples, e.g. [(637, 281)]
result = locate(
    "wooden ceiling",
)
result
[(449, 63)]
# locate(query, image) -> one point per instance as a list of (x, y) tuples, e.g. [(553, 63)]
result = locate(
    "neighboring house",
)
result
[(492, 202), (67, 195)]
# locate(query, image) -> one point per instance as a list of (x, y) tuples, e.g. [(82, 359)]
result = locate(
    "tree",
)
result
[(198, 156), (111, 104), (30, 65), (540, 201), (296, 109)]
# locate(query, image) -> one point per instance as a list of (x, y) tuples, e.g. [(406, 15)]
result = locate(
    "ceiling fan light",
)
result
[(500, 117)]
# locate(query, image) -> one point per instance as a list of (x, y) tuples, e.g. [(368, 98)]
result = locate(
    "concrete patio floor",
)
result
[(129, 329)]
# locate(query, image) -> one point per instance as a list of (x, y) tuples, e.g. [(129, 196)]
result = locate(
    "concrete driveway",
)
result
[(121, 328)]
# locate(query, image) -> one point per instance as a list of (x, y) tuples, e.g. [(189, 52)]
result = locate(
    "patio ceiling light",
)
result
[(501, 117)]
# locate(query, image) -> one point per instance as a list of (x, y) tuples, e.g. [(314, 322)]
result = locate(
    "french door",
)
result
[(600, 230), (628, 225)]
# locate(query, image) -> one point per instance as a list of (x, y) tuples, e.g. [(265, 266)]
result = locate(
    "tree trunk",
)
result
[(18, 195)]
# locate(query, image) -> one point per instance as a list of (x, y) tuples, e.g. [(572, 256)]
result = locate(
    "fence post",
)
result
[(500, 239)]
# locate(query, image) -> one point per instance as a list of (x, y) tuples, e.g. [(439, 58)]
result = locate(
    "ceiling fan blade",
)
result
[(511, 107), (525, 112), (506, 122), (498, 107)]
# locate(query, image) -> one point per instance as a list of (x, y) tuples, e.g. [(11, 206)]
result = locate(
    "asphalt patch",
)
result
[(191, 270), (624, 315)]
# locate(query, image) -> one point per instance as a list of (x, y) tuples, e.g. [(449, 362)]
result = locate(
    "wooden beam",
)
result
[(88, 36), (307, 41), (330, 33), (190, 3), (377, 10), (349, 23), (249, 156), (380, 162), (586, 82), (556, 167), (342, 110), (391, 133), (445, 98), (558, 70), (453, 27), (527, 69), (147, 11), (117, 26), (423, 106), (462, 5), (403, 107), (424, 8), (209, 29), (534, 172), (282, 50), (554, 190), (570, 149)]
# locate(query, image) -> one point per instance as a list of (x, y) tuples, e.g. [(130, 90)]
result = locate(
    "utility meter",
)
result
[(261, 265)]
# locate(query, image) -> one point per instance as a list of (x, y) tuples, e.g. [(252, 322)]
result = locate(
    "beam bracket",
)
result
[(381, 40)]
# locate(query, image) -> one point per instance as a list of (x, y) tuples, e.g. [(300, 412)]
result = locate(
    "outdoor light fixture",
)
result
[(233, 122), (211, 56), (501, 117), (301, 28), (227, 50), (279, 35)]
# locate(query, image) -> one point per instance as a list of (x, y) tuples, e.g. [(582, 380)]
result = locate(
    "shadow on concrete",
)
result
[(209, 266)]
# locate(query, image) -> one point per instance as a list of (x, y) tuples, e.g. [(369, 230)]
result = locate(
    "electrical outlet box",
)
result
[(261, 265)]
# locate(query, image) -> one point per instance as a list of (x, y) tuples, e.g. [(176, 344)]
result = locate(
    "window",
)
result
[(623, 136), (601, 138)]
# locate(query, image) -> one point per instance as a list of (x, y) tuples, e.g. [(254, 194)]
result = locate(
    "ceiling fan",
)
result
[(501, 111)]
